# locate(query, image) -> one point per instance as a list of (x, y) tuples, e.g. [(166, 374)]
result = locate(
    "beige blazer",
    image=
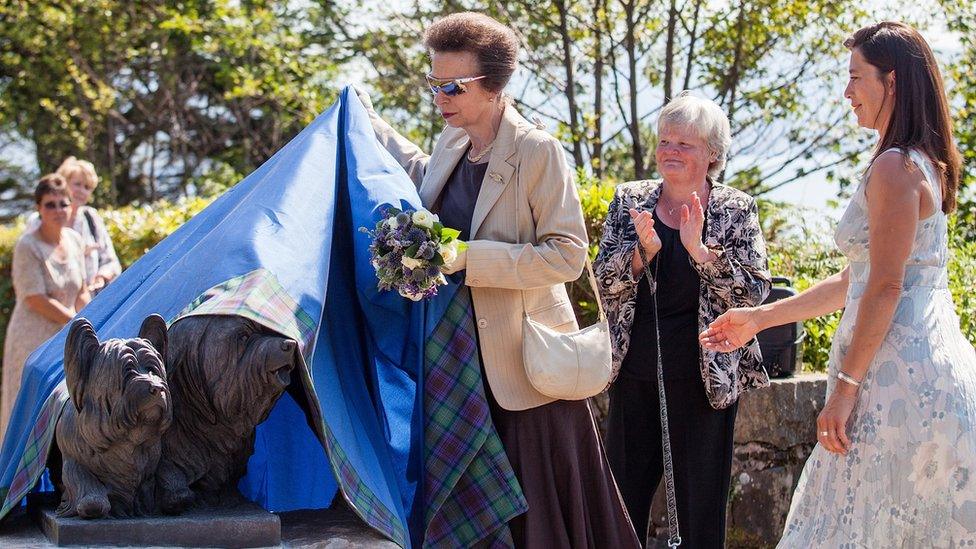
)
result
[(528, 238)]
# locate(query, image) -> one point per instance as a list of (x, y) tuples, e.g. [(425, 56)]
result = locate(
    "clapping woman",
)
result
[(675, 254)]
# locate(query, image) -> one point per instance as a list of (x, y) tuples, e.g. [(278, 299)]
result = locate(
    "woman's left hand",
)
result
[(833, 421), (690, 228)]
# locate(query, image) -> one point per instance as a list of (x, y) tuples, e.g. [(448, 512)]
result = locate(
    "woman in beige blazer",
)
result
[(505, 184)]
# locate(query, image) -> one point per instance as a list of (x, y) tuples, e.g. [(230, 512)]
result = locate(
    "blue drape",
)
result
[(296, 216)]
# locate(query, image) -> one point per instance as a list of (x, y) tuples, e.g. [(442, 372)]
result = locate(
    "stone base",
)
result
[(242, 525)]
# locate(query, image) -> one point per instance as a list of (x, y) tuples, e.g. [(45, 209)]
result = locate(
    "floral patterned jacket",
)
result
[(739, 277)]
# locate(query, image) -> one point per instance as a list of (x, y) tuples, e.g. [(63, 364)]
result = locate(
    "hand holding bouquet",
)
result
[(409, 249)]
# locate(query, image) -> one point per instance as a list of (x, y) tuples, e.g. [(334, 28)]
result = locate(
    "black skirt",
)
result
[(560, 462)]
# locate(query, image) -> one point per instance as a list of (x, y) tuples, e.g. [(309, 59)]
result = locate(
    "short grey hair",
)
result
[(707, 118)]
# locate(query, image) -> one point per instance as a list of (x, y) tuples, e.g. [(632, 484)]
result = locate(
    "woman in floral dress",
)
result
[(896, 461)]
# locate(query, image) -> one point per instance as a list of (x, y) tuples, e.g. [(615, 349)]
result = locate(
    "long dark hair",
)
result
[(920, 118)]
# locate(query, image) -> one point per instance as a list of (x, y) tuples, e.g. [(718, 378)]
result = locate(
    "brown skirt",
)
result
[(559, 460)]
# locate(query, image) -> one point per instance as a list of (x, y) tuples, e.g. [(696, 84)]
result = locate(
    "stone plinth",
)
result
[(337, 527), (243, 525), (775, 432)]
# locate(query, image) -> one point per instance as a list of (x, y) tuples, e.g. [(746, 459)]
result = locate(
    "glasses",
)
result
[(451, 86), (62, 205)]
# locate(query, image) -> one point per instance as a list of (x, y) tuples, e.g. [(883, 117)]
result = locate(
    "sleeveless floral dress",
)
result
[(909, 479)]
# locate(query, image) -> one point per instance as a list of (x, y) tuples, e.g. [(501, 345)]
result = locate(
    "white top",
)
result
[(100, 257)]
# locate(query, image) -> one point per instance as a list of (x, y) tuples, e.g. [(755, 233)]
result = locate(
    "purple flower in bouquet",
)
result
[(408, 250)]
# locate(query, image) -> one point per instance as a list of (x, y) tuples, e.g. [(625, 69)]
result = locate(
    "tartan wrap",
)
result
[(39, 441), (359, 497), (258, 296), (470, 488)]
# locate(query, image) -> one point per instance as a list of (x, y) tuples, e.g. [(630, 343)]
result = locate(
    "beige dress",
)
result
[(35, 271)]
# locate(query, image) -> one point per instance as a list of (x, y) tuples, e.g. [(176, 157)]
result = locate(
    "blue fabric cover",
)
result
[(297, 216)]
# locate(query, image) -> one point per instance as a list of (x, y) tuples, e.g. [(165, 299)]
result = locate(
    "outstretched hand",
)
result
[(731, 330)]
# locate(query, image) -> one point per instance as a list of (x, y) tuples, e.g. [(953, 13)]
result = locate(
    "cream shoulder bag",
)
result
[(566, 366)]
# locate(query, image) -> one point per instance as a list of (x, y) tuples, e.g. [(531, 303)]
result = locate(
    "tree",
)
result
[(962, 19), (157, 94), (599, 71)]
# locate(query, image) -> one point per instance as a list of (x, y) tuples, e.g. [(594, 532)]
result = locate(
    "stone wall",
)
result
[(775, 432)]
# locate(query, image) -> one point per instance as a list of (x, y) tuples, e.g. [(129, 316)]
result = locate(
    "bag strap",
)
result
[(91, 224), (595, 288), (589, 265), (674, 536)]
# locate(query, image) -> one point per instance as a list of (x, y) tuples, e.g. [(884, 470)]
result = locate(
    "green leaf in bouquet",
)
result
[(437, 260), (448, 234), (411, 252), (462, 245)]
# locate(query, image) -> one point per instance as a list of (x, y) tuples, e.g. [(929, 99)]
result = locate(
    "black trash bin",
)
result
[(781, 345)]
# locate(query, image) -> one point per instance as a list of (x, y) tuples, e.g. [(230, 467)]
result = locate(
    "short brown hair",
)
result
[(492, 43), (51, 183), (920, 118)]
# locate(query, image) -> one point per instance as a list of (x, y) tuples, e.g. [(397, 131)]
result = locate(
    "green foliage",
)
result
[(154, 93), (962, 277), (136, 229), (595, 197), (8, 238), (806, 257), (962, 73)]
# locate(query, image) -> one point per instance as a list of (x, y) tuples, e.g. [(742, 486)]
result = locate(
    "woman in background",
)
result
[(49, 282), (101, 263)]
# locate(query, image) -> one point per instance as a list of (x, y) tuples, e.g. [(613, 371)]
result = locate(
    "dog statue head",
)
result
[(230, 367), (118, 387), (226, 372)]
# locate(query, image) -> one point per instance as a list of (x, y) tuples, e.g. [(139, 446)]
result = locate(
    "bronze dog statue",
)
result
[(226, 373), (109, 434)]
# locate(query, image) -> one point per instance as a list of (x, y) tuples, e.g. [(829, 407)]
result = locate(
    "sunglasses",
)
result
[(64, 204), (449, 87)]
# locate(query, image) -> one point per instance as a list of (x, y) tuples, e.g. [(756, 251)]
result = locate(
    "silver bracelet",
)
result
[(848, 379)]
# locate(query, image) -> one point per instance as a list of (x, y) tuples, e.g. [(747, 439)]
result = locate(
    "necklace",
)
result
[(670, 209), (477, 158)]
